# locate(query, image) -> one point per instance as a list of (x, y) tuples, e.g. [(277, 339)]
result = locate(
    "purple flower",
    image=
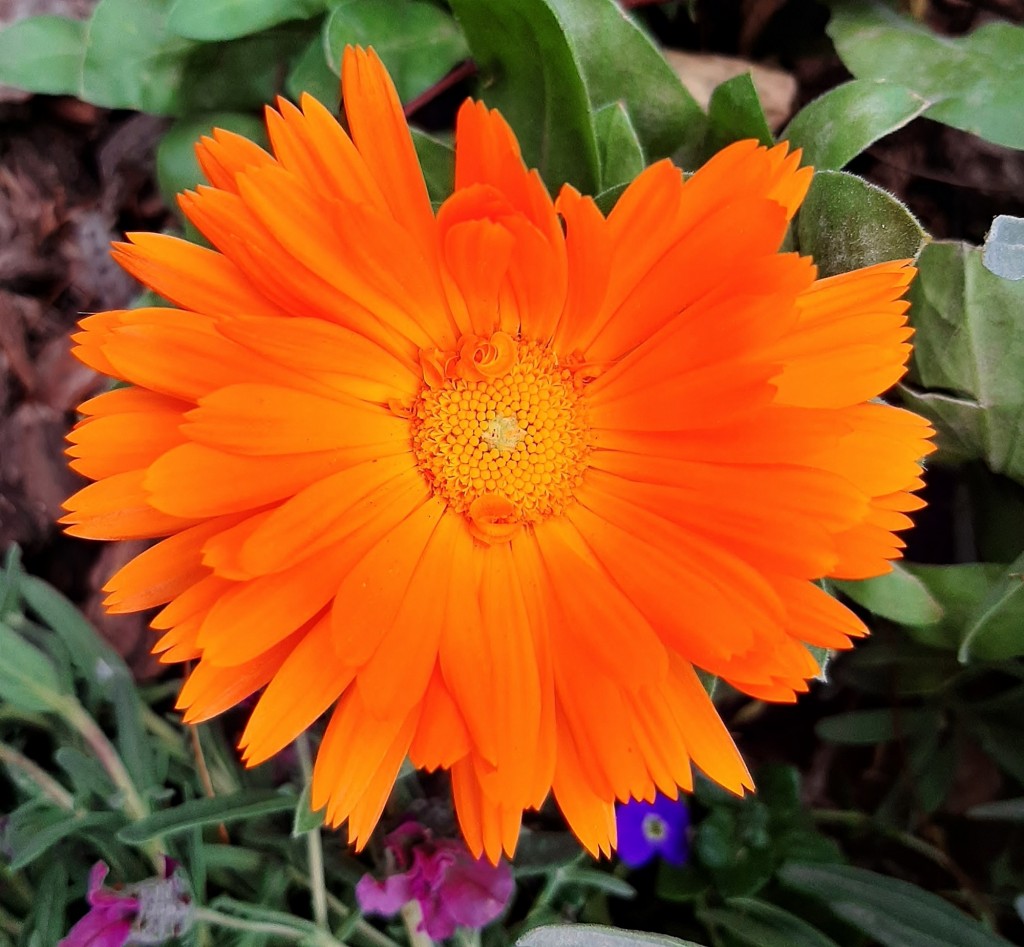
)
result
[(453, 888), (148, 912), (649, 829)]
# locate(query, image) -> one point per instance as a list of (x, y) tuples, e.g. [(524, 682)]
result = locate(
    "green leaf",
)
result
[(959, 591), (1004, 247), (619, 152), (858, 727), (846, 223), (50, 903), (238, 76), (177, 168), (236, 807), (596, 880), (43, 54), (735, 113), (839, 125), (899, 596), (95, 661), (132, 61), (437, 159), (974, 81), (891, 911), (44, 834), (313, 74), (530, 72), (1005, 810), (593, 935), (968, 347), (213, 20), (619, 63), (306, 819), (28, 678), (997, 632), (417, 41), (760, 924)]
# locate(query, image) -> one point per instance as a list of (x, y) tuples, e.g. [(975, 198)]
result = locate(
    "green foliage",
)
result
[(836, 127), (43, 53), (592, 935), (417, 41), (846, 223), (895, 913), (735, 113), (213, 20), (974, 82), (968, 356)]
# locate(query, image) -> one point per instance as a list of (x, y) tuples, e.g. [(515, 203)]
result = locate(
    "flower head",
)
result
[(489, 484), (652, 829), (149, 912), (453, 888)]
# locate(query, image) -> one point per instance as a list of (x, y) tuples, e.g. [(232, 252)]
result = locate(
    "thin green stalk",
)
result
[(49, 787), (364, 929), (133, 805), (314, 843), (309, 935), (412, 916)]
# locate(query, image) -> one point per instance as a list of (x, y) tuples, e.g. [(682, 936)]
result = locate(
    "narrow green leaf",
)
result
[(306, 818), (846, 223), (735, 113), (132, 61), (95, 661), (214, 20), (530, 72), (1004, 247), (889, 910), (899, 596), (177, 168), (968, 348), (312, 73), (28, 678), (418, 41), (760, 924), (620, 155), (974, 81), (437, 159), (597, 880), (997, 632), (43, 54), (51, 899), (593, 935), (867, 727), (839, 125), (1005, 810), (55, 830), (237, 807)]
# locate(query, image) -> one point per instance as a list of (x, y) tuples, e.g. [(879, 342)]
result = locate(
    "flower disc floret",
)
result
[(520, 437)]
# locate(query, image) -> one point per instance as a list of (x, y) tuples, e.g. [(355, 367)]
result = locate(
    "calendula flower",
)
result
[(489, 484), (648, 830), (453, 888)]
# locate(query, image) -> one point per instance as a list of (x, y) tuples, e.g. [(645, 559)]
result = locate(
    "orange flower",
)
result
[(492, 483)]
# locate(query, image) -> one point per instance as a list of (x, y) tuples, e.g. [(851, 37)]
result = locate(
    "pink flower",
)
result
[(453, 888), (148, 912)]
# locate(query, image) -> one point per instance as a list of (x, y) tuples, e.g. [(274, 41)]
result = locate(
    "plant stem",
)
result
[(412, 915), (310, 936), (314, 843), (134, 806), (366, 931), (49, 787)]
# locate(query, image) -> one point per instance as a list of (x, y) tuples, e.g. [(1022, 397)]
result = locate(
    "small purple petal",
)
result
[(98, 929), (383, 897), (647, 829), (476, 891), (634, 848)]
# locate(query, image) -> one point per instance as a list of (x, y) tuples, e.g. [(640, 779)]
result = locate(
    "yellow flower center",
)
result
[(499, 433)]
